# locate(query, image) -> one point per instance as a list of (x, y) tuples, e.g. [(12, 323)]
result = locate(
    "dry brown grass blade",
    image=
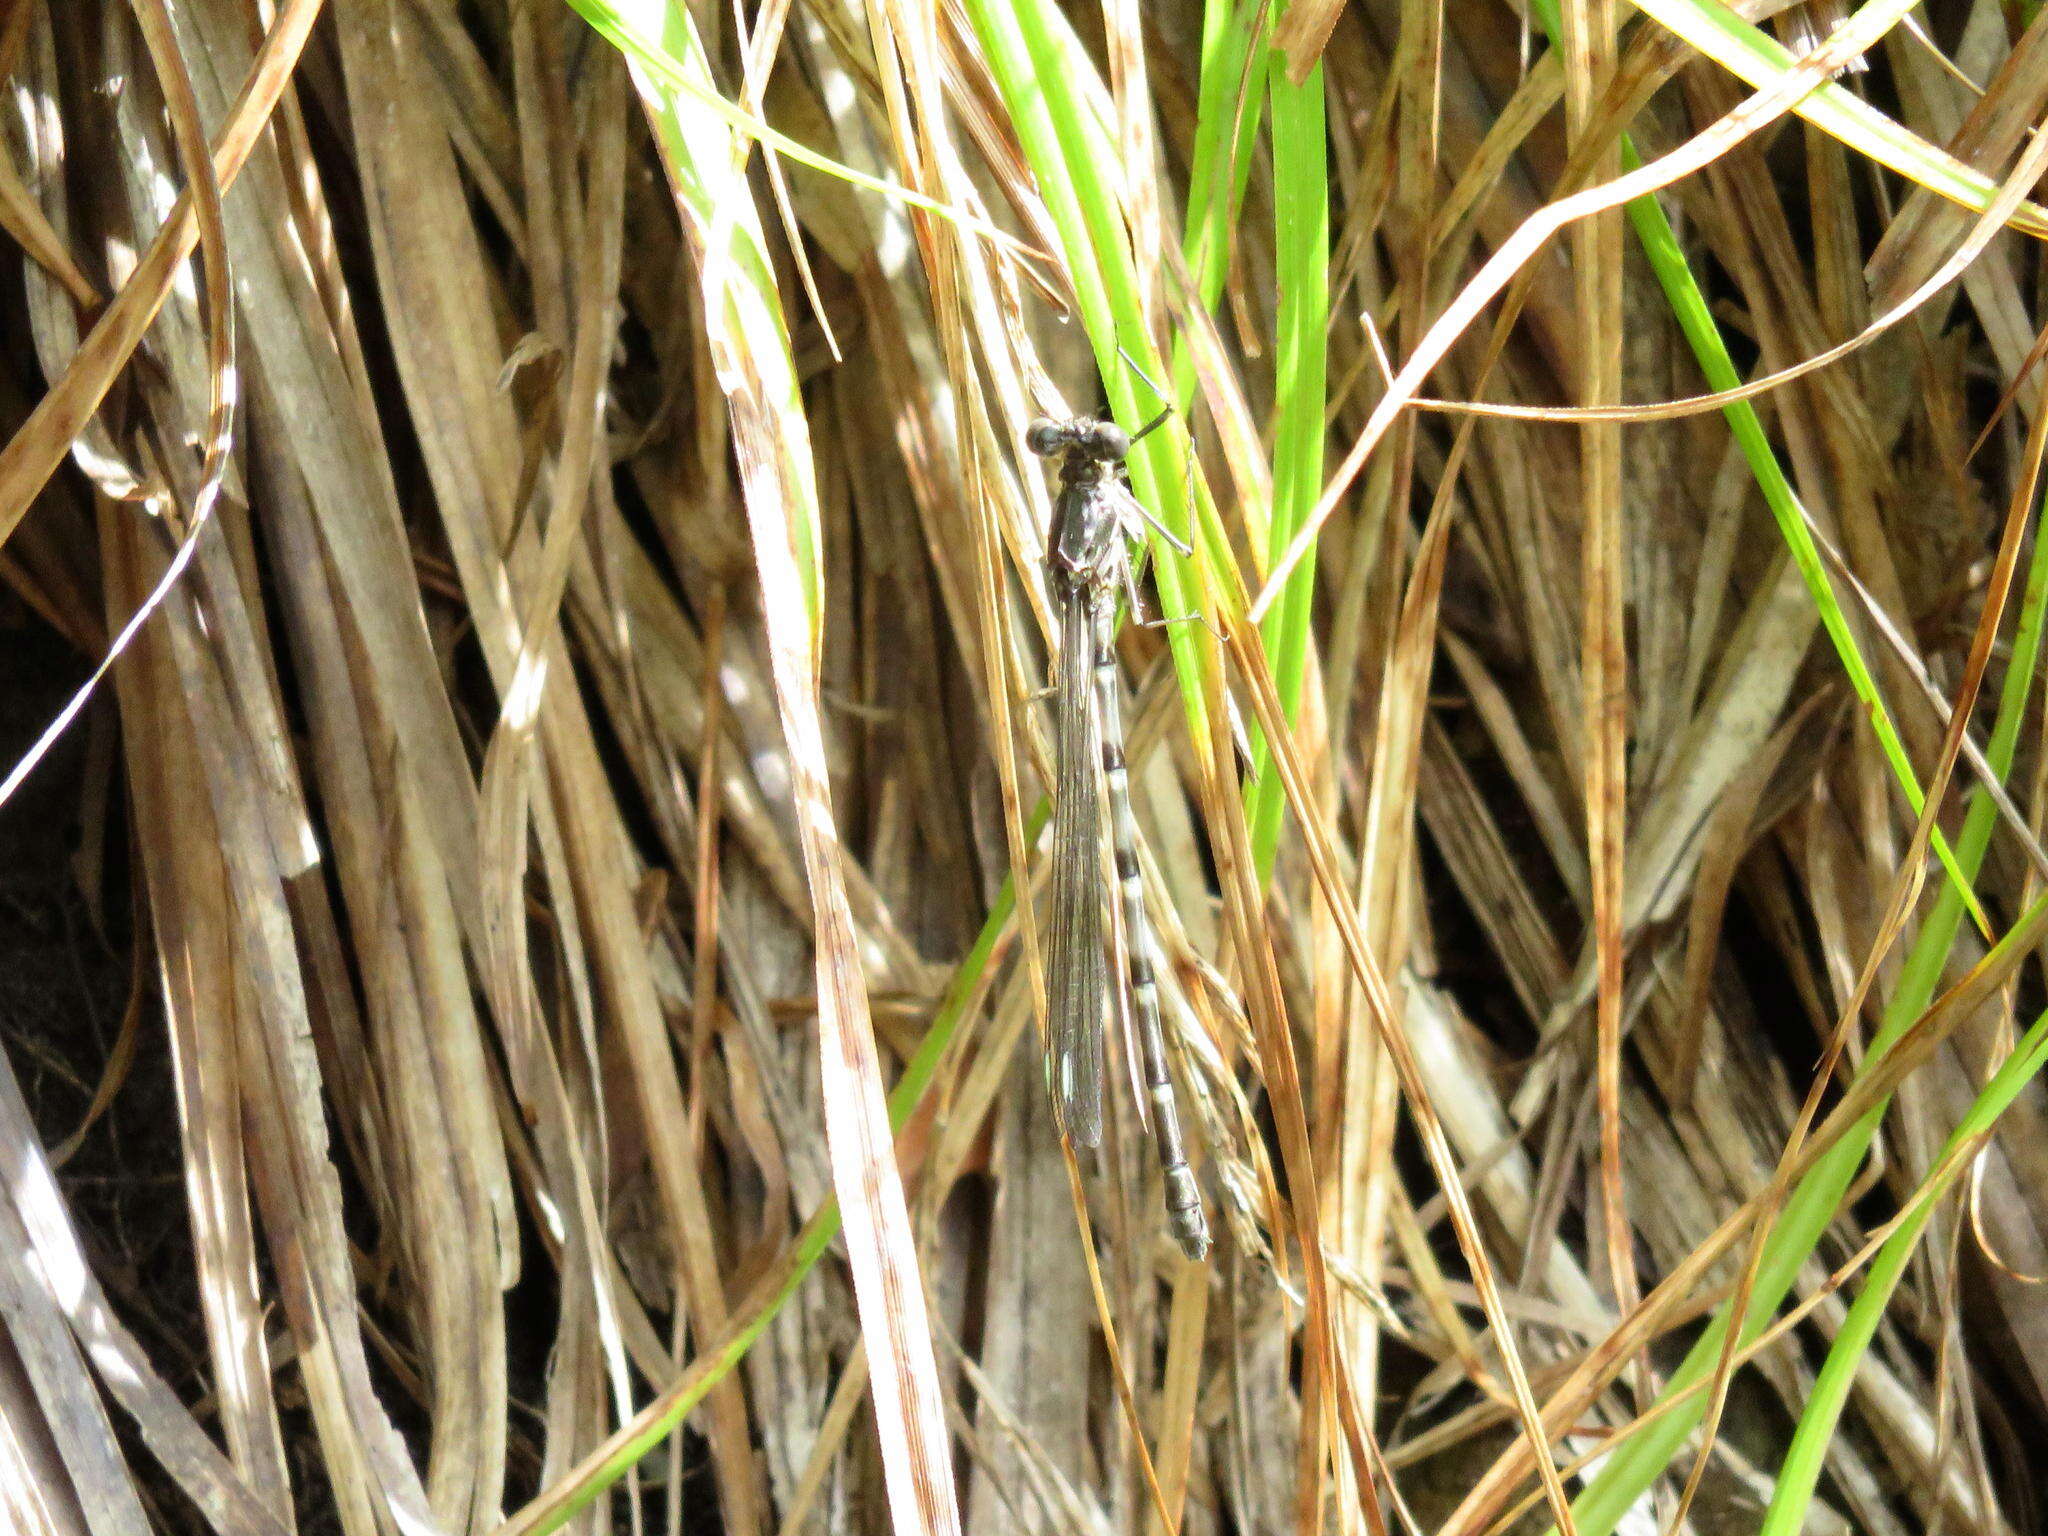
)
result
[(1302, 33), (1138, 157), (1722, 844), (877, 1222), (188, 907), (1037, 1359), (120, 1062), (1323, 1389), (771, 443), (1180, 1385), (832, 1431), (1588, 48), (39, 446), (24, 220), (1250, 665), (65, 1407), (1168, 1515)]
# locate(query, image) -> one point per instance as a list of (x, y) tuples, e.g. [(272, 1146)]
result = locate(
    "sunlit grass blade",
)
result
[(749, 343), (1226, 126), (634, 29)]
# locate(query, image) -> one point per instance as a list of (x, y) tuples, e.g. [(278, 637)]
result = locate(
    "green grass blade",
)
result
[(1032, 57), (1689, 307), (1226, 126), (1800, 1474), (1301, 242)]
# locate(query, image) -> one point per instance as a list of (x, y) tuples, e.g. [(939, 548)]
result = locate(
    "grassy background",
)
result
[(523, 984)]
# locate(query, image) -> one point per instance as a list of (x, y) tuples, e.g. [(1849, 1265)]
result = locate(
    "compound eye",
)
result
[(1045, 437), (1107, 440)]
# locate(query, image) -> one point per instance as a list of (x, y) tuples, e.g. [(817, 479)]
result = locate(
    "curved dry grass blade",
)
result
[(1747, 119), (1983, 229)]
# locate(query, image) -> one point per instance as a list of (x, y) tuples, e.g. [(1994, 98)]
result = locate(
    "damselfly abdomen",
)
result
[(1088, 566)]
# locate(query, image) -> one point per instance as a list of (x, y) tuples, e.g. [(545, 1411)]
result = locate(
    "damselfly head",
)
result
[(1085, 435)]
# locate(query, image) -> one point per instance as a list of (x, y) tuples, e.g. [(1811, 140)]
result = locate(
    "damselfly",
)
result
[(1088, 566)]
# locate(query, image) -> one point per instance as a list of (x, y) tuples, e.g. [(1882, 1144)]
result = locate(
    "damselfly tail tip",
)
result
[(1185, 1215)]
